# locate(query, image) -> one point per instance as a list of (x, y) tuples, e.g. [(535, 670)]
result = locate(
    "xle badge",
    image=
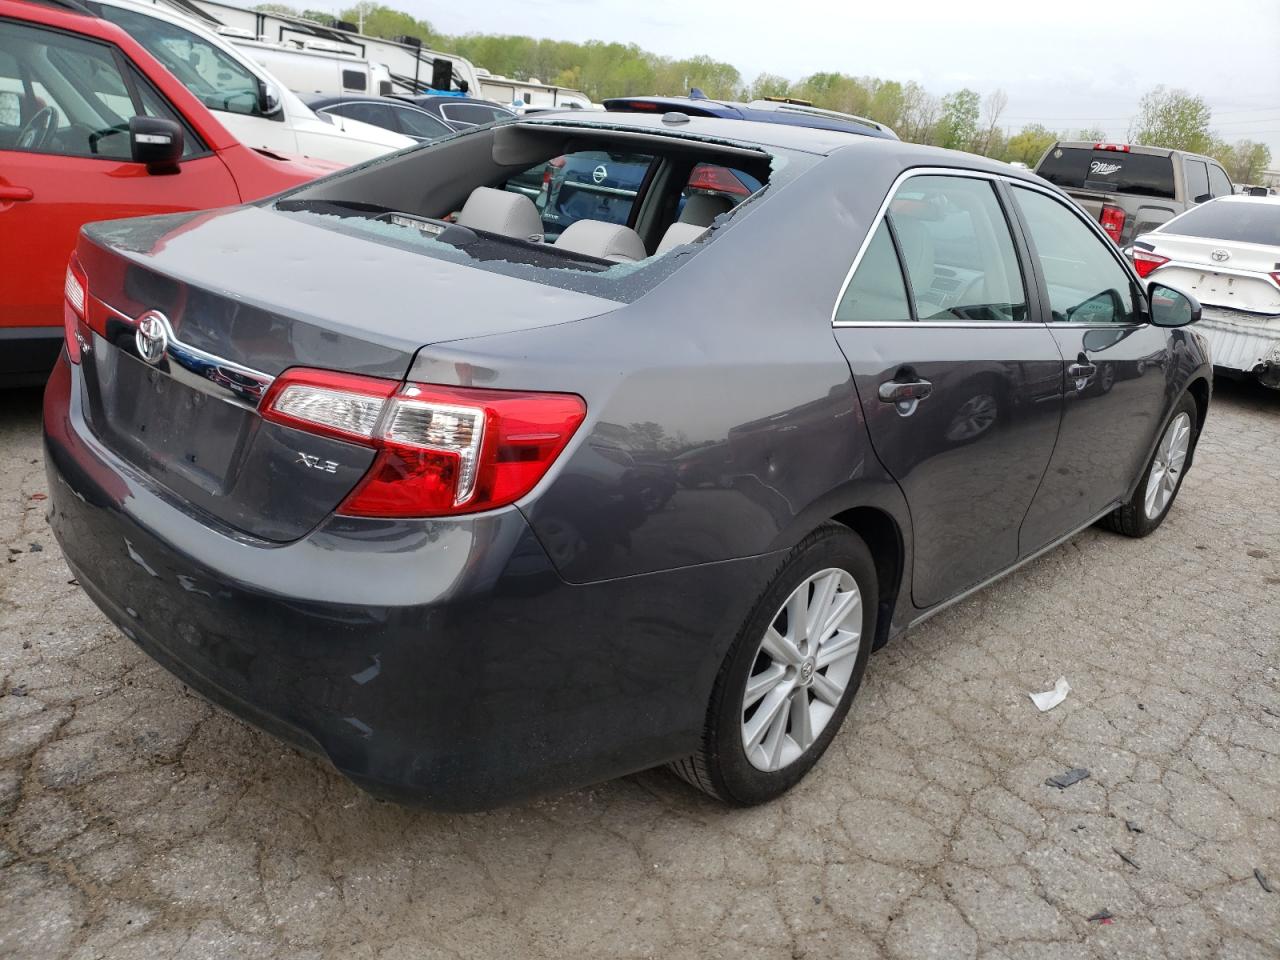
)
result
[(315, 463)]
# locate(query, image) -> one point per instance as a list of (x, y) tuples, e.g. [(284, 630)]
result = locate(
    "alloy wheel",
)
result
[(801, 670), (1166, 468)]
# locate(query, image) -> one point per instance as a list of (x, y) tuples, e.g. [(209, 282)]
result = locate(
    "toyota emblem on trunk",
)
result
[(599, 173), (152, 337), (1220, 256)]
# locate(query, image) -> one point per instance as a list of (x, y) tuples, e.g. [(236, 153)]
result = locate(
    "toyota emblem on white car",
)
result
[(1220, 255), (152, 337)]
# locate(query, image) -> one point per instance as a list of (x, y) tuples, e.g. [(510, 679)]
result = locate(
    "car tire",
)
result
[(822, 570), (1143, 514)]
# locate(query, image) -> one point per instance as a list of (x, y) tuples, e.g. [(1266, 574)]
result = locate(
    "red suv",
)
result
[(94, 128)]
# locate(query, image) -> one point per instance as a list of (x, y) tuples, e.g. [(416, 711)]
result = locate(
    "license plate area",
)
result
[(162, 425)]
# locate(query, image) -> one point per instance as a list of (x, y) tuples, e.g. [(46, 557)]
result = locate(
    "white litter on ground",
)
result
[(1051, 698)]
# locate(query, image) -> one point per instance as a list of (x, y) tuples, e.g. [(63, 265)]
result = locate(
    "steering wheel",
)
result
[(38, 129)]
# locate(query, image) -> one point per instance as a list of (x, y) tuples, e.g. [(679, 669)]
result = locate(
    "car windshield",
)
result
[(1235, 222), (1112, 171)]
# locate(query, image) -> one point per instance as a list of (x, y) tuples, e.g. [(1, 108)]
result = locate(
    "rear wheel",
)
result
[(1162, 480), (791, 674)]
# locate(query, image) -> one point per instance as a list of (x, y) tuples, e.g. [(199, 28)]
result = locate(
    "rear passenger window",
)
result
[(1197, 180), (957, 250), (376, 114), (1085, 281), (876, 292)]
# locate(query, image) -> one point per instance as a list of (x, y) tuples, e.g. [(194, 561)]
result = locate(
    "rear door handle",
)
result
[(11, 194), (904, 391), (905, 395)]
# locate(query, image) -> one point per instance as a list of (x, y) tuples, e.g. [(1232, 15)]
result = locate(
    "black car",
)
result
[(478, 516), (460, 113), (385, 112)]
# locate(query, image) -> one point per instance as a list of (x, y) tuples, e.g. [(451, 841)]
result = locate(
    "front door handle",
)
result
[(1081, 371), (12, 194)]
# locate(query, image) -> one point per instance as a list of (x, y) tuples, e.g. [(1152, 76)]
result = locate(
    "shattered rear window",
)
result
[(523, 259)]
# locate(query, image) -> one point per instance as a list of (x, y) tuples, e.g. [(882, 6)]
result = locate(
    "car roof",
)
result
[(329, 99), (1141, 148), (1245, 198), (765, 111), (445, 98), (754, 133)]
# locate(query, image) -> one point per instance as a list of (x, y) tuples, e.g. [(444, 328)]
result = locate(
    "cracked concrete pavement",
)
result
[(137, 821)]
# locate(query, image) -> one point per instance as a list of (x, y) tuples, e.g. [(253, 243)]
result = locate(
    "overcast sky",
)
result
[(1066, 71)]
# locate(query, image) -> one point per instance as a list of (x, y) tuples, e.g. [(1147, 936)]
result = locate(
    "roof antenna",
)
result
[(697, 94)]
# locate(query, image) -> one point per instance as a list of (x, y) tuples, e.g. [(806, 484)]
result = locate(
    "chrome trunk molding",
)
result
[(224, 379)]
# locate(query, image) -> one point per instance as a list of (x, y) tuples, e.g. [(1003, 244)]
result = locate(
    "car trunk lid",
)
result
[(233, 322), (1231, 275)]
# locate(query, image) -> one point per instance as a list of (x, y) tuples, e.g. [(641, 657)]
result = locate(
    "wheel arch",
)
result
[(1199, 390), (884, 538)]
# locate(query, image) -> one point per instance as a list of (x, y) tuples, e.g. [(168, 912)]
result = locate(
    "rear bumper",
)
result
[(440, 662), (27, 354), (1246, 342)]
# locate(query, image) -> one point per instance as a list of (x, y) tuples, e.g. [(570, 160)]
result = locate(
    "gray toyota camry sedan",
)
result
[(476, 514)]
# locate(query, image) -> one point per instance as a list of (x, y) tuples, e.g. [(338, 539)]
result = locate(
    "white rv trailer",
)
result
[(412, 67), (530, 93), (315, 66)]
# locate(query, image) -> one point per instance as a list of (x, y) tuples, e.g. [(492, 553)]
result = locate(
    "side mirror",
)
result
[(1172, 308), (1203, 198), (268, 99), (156, 142)]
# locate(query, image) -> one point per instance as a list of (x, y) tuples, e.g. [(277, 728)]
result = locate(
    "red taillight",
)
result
[(641, 105), (707, 176), (1144, 261), (1118, 147), (1276, 277), (75, 291), (554, 162), (440, 450), (1112, 221)]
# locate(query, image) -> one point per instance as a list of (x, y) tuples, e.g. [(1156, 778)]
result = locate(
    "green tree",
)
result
[(1244, 160), (385, 22), (1096, 134), (993, 107), (769, 85), (1174, 119), (957, 127), (1029, 144)]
